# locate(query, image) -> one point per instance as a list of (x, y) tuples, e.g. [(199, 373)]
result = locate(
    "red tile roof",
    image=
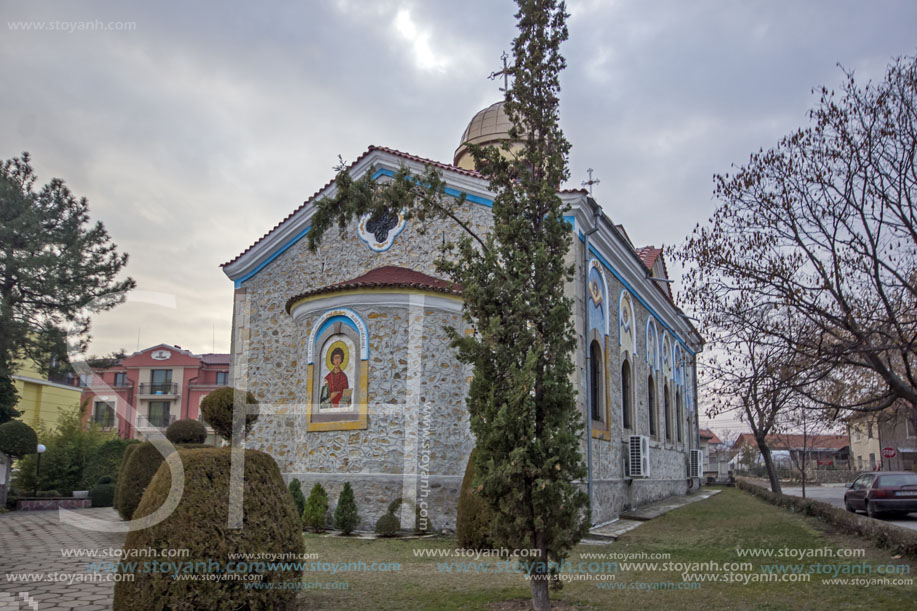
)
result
[(795, 441), (710, 436), (215, 359), (649, 254), (389, 276)]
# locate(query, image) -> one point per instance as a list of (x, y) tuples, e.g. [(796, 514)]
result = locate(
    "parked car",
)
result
[(882, 492)]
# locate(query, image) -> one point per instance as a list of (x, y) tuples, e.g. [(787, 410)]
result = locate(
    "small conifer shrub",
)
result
[(315, 513), (345, 514), (298, 499)]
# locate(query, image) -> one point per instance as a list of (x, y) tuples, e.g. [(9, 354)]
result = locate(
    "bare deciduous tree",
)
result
[(824, 226)]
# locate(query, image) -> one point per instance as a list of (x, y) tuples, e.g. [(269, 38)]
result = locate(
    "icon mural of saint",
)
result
[(336, 391)]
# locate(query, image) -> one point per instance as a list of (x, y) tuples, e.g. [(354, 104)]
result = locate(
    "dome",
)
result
[(488, 126)]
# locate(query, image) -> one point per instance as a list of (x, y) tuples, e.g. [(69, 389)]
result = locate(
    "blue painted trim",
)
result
[(334, 319), (353, 319), (635, 295), (381, 172), (571, 220), (282, 250), (448, 190)]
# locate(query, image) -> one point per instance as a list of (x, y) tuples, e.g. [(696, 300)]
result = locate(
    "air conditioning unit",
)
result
[(638, 464), (696, 467)]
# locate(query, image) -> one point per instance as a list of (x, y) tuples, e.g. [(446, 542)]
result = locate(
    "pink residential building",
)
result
[(150, 389)]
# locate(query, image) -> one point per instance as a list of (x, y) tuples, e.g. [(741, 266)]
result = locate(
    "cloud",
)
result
[(425, 58), (196, 132)]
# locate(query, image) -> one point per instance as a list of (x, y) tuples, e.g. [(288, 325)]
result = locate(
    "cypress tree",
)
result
[(521, 400)]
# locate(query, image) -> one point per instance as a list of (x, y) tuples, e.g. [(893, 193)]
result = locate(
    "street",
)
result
[(834, 494)]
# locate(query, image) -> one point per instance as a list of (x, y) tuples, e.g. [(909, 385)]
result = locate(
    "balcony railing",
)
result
[(96, 383), (167, 388), (159, 421)]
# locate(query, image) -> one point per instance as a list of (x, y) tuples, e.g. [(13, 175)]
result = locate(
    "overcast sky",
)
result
[(193, 128)]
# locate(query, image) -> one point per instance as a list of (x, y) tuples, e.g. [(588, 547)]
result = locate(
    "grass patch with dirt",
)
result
[(706, 536)]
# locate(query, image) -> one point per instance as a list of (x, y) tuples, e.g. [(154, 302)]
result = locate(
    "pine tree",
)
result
[(521, 401), (55, 268), (9, 397)]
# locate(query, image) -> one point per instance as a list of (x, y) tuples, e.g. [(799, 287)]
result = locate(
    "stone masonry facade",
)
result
[(416, 441)]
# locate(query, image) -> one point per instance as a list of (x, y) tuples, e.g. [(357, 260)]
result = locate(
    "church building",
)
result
[(346, 351)]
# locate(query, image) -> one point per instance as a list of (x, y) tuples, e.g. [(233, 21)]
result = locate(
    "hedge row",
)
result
[(900, 540)]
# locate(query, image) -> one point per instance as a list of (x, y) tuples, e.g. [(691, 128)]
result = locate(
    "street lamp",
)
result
[(40, 450)]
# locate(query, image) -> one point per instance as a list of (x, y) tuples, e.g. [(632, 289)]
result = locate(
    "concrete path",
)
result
[(630, 520), (36, 574)]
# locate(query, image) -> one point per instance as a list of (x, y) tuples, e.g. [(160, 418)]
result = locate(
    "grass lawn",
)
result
[(708, 532)]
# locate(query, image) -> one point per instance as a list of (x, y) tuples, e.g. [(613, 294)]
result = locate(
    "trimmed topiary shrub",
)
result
[(217, 409), (346, 517), (422, 523), (474, 516), (299, 500), (139, 468), (315, 513), (124, 461), (102, 495), (186, 431), (388, 525), (395, 505), (17, 439), (105, 480), (270, 528)]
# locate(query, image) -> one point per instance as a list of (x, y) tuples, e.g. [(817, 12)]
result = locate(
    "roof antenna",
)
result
[(590, 182)]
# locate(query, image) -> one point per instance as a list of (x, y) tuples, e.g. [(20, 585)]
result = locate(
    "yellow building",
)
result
[(41, 400)]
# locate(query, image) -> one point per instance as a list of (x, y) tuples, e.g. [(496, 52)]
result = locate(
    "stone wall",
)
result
[(613, 491), (416, 387), (408, 375)]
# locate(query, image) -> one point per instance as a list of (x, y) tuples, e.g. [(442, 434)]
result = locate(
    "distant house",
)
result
[(151, 388), (716, 456), (824, 451), (41, 400), (871, 433)]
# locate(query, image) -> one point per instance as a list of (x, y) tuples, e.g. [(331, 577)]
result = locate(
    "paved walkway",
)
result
[(31, 544), (630, 520)]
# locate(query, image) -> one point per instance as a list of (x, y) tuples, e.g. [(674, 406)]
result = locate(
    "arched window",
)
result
[(595, 381), (626, 395), (651, 404), (667, 415), (678, 417), (337, 374)]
